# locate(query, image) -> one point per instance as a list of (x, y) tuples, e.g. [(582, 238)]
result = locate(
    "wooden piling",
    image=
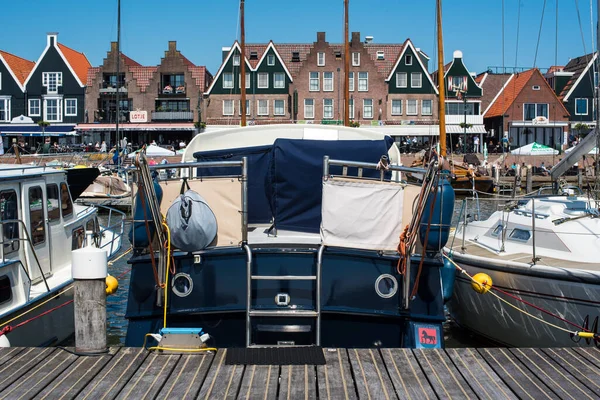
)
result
[(529, 180), (89, 273)]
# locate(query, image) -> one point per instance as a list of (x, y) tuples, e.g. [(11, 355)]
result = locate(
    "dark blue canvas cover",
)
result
[(259, 210), (295, 176)]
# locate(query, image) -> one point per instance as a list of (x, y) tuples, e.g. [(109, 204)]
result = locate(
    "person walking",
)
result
[(476, 144), (103, 147)]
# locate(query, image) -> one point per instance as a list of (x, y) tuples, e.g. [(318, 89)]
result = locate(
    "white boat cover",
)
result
[(363, 214)]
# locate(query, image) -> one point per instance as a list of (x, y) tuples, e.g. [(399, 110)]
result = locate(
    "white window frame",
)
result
[(275, 107), (67, 113), (430, 108), (59, 109), (356, 59), (236, 60), (365, 79), (381, 55), (275, 85), (247, 80), (258, 112), (7, 106), (365, 108), (320, 59), (413, 75), (407, 58), (229, 74), (327, 82), (270, 60), (39, 107), (232, 107), (408, 104), (576, 113), (311, 80), (248, 105), (330, 107), (398, 83), (46, 80), (351, 109), (351, 81), (258, 85), (312, 114), (396, 113)]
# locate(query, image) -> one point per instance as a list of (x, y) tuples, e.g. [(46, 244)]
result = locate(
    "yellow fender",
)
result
[(481, 283), (112, 284)]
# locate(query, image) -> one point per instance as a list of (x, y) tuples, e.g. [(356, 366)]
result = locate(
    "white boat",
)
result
[(544, 250), (40, 226)]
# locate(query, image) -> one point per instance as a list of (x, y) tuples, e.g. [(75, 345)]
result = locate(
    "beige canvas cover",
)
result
[(223, 195), (365, 214)]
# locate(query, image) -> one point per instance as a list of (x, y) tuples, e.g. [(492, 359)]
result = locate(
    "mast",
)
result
[(441, 82), (242, 65), (118, 81), (347, 67)]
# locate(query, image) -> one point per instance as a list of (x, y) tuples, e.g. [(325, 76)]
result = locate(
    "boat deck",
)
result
[(474, 249), (135, 373)]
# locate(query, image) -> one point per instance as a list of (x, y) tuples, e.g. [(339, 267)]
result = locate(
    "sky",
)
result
[(202, 27)]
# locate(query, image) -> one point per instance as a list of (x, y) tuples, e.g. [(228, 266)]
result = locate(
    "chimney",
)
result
[(320, 37), (113, 47), (172, 45), (355, 37), (225, 51), (52, 38)]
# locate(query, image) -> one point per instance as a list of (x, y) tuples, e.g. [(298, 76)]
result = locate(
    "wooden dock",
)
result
[(135, 373)]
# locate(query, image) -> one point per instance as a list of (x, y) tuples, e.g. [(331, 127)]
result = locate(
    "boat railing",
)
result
[(383, 166), (115, 224), (26, 239)]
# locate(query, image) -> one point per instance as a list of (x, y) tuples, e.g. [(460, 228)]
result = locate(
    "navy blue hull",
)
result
[(353, 314)]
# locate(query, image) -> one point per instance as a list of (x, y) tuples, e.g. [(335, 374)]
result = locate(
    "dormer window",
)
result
[(408, 59), (236, 60), (253, 55), (295, 56), (52, 80), (380, 55)]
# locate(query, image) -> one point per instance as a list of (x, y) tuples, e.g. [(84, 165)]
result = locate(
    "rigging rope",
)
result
[(537, 46)]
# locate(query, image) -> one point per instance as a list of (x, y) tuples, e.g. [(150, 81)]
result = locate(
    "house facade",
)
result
[(14, 71), (528, 110)]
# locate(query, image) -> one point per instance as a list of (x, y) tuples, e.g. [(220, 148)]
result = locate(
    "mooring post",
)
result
[(89, 266), (529, 180), (579, 177)]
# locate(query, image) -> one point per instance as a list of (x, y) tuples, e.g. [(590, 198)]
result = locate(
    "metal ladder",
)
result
[(283, 312)]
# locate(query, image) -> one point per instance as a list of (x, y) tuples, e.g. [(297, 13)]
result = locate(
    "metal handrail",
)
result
[(110, 227), (28, 240)]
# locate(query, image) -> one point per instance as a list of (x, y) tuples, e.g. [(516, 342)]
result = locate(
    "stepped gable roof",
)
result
[(130, 62), (510, 93), (143, 75), (19, 66), (91, 75), (491, 86), (576, 65), (199, 75), (78, 61)]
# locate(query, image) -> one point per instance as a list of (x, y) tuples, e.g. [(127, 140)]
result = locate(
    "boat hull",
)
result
[(353, 314), (49, 329), (573, 295)]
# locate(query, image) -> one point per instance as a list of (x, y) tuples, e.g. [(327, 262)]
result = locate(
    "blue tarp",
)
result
[(259, 210), (295, 176)]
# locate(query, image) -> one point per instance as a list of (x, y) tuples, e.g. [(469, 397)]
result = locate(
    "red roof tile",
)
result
[(92, 71), (510, 93), (19, 66), (491, 86), (259, 49), (130, 62), (77, 60), (390, 56), (199, 75), (143, 75)]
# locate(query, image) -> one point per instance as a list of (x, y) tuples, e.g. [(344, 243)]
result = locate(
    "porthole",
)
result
[(182, 284), (386, 286)]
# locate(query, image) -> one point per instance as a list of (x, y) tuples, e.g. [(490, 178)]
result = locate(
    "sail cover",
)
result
[(294, 180)]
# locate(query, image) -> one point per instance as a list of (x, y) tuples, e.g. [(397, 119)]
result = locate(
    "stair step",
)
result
[(283, 313), (285, 277)]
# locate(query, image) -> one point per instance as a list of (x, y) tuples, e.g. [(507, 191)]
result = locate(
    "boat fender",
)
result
[(481, 283), (112, 284), (192, 223), (4, 341), (448, 276)]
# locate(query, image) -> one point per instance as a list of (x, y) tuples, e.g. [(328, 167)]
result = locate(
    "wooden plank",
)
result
[(335, 378), (20, 364), (446, 380), (482, 378), (549, 372), (8, 353), (115, 375), (73, 379), (298, 382), (260, 382), (370, 374), (407, 376), (34, 381), (586, 373), (522, 382), (187, 377), (591, 354), (223, 381), (150, 377)]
